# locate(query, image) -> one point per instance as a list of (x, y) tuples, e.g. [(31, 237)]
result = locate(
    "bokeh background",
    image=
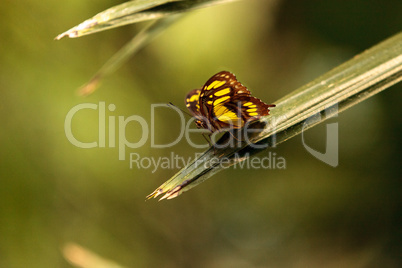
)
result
[(53, 194)]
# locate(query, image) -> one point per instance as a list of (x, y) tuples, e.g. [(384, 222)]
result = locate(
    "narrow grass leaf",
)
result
[(345, 86), (133, 12), (124, 54)]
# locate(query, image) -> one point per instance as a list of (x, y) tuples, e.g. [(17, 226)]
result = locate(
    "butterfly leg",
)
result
[(239, 139), (209, 140), (233, 135)]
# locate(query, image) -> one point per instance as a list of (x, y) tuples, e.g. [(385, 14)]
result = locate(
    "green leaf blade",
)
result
[(341, 88), (133, 12)]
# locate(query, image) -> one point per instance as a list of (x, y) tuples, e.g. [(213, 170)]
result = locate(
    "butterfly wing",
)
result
[(223, 83), (192, 102), (223, 102), (228, 104), (252, 108)]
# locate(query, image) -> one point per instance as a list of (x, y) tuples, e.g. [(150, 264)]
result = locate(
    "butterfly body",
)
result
[(224, 103)]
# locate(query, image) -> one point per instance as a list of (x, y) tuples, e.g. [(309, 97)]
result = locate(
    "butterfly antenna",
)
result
[(208, 140), (172, 105)]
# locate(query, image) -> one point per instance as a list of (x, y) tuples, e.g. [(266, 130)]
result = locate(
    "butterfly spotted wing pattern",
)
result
[(192, 102), (223, 102)]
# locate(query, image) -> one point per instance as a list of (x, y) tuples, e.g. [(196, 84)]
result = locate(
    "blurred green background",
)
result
[(308, 215)]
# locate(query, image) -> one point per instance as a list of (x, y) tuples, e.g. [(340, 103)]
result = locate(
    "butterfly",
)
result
[(224, 103)]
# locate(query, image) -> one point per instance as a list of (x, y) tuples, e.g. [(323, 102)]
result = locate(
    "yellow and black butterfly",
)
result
[(224, 103)]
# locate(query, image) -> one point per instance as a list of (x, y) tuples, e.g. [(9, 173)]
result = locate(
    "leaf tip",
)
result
[(72, 33), (169, 194), (90, 87), (154, 194)]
